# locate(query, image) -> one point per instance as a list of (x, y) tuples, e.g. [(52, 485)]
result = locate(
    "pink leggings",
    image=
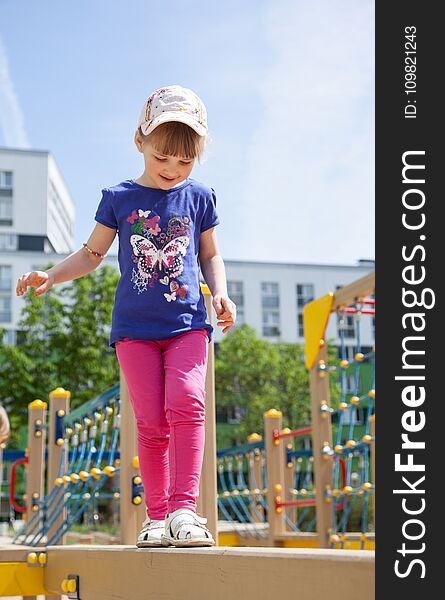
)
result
[(166, 384)]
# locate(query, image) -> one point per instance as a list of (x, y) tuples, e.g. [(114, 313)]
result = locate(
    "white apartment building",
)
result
[(270, 298), (36, 222), (36, 227)]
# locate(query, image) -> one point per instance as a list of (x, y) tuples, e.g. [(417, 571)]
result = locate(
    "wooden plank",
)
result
[(362, 287), (273, 420), (36, 466), (59, 402), (122, 572), (13, 553), (321, 434), (206, 504)]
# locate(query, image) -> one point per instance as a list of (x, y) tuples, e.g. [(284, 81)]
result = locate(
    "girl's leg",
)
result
[(185, 366), (141, 363)]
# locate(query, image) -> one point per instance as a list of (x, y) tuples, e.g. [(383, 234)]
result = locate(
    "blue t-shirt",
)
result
[(158, 294)]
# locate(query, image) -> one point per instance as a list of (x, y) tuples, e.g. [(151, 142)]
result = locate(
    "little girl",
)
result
[(160, 329)]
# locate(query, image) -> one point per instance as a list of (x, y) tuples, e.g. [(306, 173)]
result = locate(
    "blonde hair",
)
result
[(4, 426), (175, 138)]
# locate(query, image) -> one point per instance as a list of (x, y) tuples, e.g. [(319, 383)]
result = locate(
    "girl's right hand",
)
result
[(42, 280)]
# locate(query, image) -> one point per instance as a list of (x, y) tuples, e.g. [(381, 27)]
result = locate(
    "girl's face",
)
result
[(163, 171)]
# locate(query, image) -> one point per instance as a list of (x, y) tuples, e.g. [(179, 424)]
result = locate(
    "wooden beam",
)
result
[(206, 503), (59, 404), (321, 435), (357, 289), (36, 465), (122, 572), (274, 473)]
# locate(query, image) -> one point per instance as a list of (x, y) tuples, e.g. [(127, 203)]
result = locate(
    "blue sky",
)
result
[(289, 91)]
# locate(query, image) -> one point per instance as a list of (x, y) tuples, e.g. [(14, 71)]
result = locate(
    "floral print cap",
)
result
[(173, 103)]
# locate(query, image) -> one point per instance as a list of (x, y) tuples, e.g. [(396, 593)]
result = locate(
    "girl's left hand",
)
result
[(225, 312)]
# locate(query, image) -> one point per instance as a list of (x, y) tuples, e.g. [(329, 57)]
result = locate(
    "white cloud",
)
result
[(12, 122), (309, 185)]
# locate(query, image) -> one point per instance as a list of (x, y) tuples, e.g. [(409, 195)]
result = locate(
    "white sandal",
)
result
[(150, 534), (184, 528)]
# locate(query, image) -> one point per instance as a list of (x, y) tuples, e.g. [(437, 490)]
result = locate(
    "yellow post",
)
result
[(321, 438), (275, 474), (255, 478), (288, 475), (36, 456), (59, 400)]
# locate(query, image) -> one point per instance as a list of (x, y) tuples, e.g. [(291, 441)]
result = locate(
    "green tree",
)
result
[(256, 375), (245, 372), (62, 342)]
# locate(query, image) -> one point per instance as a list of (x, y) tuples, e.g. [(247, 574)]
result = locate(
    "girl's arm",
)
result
[(213, 269), (83, 262), (212, 264), (72, 267)]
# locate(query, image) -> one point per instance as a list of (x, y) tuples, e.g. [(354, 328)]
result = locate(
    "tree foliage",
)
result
[(257, 375), (62, 342)]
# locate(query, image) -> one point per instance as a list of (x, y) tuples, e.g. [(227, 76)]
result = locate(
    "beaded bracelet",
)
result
[(93, 252)]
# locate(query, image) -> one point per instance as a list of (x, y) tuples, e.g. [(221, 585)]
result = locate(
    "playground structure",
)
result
[(274, 493)]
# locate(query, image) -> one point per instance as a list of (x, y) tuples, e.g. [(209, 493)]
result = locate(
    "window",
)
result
[(230, 414), (300, 325), (269, 295), (31, 242), (5, 309), (5, 211), (236, 293), (271, 323), (235, 414), (358, 416), (349, 352), (306, 443), (20, 337), (57, 209), (350, 384), (9, 338), (6, 180), (5, 278), (8, 241), (270, 302), (5, 198), (346, 323), (305, 294)]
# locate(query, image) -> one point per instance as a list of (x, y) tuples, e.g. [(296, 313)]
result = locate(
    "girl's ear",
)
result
[(138, 140)]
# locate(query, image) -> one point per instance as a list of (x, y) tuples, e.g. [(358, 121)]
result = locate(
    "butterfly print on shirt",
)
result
[(168, 258), (152, 256)]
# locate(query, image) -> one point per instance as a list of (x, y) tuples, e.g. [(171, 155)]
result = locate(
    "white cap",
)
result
[(173, 103)]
